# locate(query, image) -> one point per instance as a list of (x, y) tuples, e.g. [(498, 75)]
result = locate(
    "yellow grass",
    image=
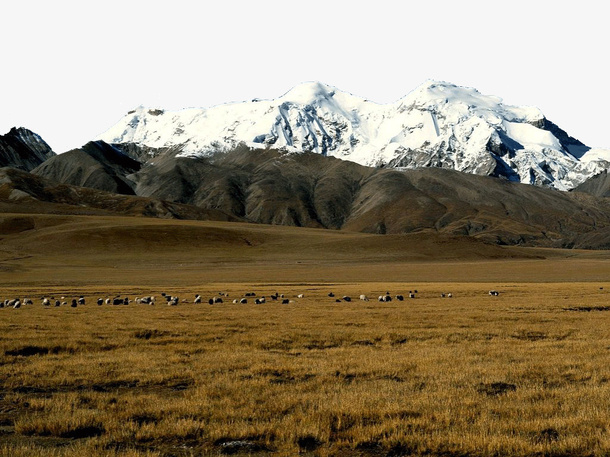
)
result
[(520, 374), (524, 373)]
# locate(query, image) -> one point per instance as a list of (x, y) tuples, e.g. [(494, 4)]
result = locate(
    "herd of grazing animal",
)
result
[(217, 299)]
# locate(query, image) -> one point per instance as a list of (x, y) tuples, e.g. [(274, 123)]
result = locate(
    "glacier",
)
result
[(438, 124)]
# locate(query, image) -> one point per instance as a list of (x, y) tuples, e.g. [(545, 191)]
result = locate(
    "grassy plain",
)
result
[(524, 373)]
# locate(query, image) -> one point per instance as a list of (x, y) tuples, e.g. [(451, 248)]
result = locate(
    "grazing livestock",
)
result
[(494, 293), (449, 295), (100, 301), (285, 301), (411, 295), (250, 294), (243, 301), (74, 303), (46, 302), (81, 300), (330, 294), (300, 296), (385, 298), (197, 299), (57, 303), (364, 298), (346, 298), (235, 301), (16, 304), (117, 301), (400, 297), (28, 301), (274, 296)]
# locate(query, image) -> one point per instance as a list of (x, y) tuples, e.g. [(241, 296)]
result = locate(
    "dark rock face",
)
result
[(23, 149), (571, 144)]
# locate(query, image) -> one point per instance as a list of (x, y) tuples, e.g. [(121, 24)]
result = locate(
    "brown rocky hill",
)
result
[(96, 165), (22, 192), (310, 190)]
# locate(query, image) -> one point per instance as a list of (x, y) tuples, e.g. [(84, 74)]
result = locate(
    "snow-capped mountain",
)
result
[(437, 125)]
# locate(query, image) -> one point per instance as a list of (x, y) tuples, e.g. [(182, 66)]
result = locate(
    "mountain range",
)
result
[(436, 125), (476, 154)]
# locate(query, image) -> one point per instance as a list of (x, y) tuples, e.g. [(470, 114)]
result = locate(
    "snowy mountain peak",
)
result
[(309, 92), (438, 124), (447, 96)]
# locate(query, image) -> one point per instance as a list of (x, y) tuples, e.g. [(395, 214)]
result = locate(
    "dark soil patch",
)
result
[(496, 388), (32, 390), (530, 336), (142, 419), (113, 385), (363, 343), (29, 351), (308, 443), (322, 345), (588, 308), (546, 436), (229, 446), (148, 334), (85, 431)]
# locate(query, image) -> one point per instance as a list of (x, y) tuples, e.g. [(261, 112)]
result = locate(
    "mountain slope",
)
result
[(598, 185), (97, 165), (22, 192), (310, 190), (436, 125), (23, 149)]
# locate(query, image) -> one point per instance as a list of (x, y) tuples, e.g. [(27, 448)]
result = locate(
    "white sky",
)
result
[(71, 69)]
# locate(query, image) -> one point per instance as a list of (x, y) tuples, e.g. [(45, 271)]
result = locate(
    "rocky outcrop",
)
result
[(23, 149)]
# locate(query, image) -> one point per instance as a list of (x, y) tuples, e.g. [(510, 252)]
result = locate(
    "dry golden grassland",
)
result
[(524, 373)]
